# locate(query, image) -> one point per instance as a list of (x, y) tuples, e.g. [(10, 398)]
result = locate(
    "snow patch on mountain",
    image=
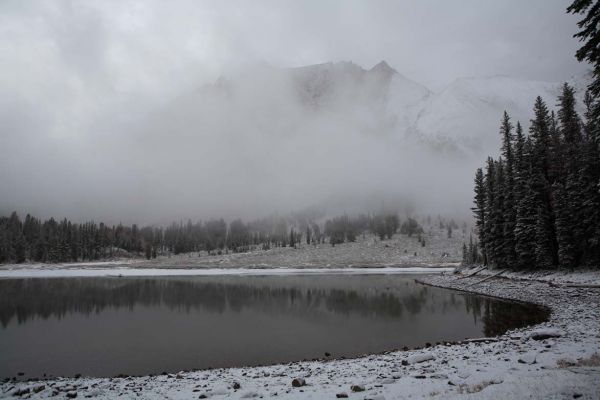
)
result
[(463, 118), (469, 110)]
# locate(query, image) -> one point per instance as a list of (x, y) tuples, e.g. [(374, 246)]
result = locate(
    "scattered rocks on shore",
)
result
[(357, 388), (419, 358), (546, 333), (298, 382), (529, 358)]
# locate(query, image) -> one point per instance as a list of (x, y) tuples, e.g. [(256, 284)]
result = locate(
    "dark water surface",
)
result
[(110, 326)]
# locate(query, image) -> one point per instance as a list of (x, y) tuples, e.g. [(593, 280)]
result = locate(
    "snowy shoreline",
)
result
[(513, 365)]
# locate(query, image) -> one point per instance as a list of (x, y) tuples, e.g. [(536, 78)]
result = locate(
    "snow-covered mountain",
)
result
[(466, 114), (336, 110), (464, 117), (327, 133)]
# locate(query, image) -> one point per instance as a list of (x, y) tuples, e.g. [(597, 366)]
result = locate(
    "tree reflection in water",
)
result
[(107, 326), (24, 299)]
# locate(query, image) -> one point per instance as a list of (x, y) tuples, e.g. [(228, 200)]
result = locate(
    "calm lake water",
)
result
[(135, 326)]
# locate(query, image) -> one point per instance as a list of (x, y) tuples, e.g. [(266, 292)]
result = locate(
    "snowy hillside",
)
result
[(464, 117), (468, 111)]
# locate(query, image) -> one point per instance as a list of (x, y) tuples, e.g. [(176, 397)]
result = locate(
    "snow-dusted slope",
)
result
[(378, 100), (468, 111), (463, 118), (333, 101)]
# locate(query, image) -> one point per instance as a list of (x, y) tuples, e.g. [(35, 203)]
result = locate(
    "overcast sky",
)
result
[(148, 44), (71, 70)]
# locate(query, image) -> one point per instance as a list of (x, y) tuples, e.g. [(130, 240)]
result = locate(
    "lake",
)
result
[(137, 326)]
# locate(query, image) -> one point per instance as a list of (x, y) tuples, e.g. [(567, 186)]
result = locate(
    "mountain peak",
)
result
[(384, 67)]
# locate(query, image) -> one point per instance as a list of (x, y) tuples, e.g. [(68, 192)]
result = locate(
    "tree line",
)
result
[(538, 205), (55, 241)]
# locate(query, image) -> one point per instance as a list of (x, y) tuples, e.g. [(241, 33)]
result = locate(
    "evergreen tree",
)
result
[(508, 192), (498, 216), (17, 245), (520, 172), (564, 233), (555, 168), (568, 192), (479, 210), (3, 241), (392, 222), (543, 243), (411, 227), (540, 160), (589, 34), (492, 228), (525, 235), (590, 182)]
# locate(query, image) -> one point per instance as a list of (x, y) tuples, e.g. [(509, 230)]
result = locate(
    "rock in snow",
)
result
[(545, 333), (418, 358), (529, 358), (298, 382), (21, 392), (38, 388), (357, 388)]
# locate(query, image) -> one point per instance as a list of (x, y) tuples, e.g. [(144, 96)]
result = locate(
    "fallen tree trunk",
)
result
[(473, 274), (488, 278)]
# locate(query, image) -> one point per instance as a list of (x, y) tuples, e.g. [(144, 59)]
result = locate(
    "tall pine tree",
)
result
[(479, 211), (589, 34), (568, 192), (546, 254), (508, 191)]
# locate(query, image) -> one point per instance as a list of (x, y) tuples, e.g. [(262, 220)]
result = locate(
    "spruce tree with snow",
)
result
[(17, 246), (3, 242), (520, 167), (499, 215), (589, 34), (508, 191), (590, 181), (568, 192), (525, 229), (540, 160), (491, 227), (479, 210)]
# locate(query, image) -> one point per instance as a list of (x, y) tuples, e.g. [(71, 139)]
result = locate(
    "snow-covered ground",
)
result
[(117, 263), (558, 277), (367, 251), (519, 364)]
